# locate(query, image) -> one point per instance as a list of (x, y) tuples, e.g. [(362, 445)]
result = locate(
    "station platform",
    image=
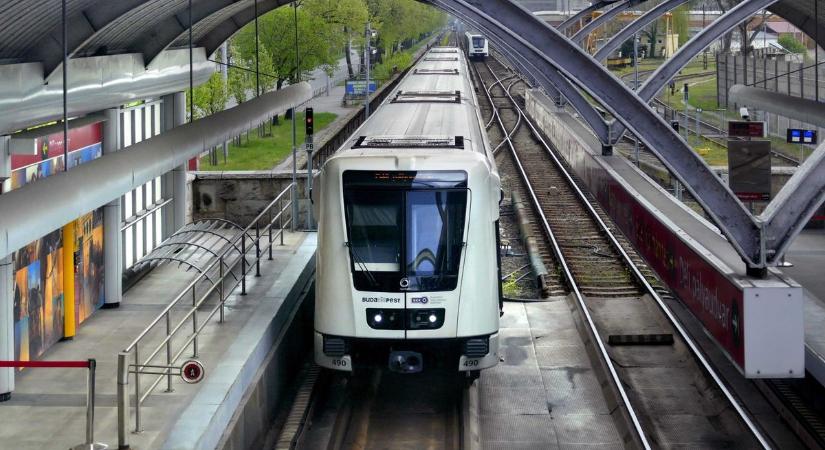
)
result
[(807, 253), (544, 393), (47, 408)]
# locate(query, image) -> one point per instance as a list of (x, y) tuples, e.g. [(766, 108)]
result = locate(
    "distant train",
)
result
[(477, 46), (407, 264)]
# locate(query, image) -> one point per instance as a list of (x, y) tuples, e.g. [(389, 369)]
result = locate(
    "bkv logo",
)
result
[(422, 300)]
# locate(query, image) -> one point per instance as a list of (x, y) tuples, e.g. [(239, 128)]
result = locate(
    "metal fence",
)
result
[(172, 334)]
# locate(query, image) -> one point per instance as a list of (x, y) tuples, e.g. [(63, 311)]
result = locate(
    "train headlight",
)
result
[(385, 319), (425, 319)]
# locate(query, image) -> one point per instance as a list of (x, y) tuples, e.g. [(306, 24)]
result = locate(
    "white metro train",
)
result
[(477, 46), (407, 263)]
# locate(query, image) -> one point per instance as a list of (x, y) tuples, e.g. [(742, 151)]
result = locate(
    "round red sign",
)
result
[(192, 371)]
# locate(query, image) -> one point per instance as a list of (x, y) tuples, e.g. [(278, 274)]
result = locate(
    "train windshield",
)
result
[(405, 228), (478, 41)]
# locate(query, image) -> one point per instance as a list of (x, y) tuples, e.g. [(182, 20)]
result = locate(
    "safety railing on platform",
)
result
[(174, 339), (90, 364)]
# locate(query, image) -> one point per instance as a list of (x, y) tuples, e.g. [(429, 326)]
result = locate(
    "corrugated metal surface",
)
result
[(39, 208)]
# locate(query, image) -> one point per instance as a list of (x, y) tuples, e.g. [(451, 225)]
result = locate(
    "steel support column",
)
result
[(5, 159), (112, 236), (550, 47), (173, 114), (581, 15), (6, 325), (794, 205), (550, 79), (611, 13), (695, 45), (634, 27)]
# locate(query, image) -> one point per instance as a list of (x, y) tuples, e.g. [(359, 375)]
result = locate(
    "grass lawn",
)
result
[(695, 66), (264, 153)]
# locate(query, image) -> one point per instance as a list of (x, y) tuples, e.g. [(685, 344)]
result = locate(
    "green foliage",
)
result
[(399, 61), (325, 29), (510, 287), (399, 21), (791, 44), (681, 22), (210, 97), (264, 153)]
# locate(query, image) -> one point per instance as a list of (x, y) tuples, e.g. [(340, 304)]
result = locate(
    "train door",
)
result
[(435, 238)]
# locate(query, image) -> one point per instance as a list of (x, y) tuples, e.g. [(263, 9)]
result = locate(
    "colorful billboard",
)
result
[(88, 265), (38, 292), (38, 296)]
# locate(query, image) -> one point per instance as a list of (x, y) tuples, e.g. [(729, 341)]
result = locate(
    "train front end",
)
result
[(407, 277)]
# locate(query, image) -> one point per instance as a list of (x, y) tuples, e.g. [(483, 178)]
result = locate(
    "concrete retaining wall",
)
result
[(240, 196)]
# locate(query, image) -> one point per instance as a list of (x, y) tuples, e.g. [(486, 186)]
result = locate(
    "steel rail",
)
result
[(568, 275), (709, 370)]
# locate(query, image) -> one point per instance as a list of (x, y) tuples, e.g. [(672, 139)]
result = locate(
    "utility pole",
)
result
[(687, 123), (367, 54), (635, 87), (294, 131)]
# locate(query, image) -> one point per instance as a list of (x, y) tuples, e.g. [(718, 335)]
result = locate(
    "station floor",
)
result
[(544, 393), (47, 408)]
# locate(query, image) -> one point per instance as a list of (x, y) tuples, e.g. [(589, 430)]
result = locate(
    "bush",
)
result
[(399, 61), (791, 44)]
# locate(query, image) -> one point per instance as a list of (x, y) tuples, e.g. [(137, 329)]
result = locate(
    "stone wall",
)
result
[(241, 196)]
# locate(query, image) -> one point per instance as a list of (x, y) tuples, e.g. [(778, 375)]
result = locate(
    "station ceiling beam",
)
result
[(635, 26), (549, 47), (214, 21), (82, 27)]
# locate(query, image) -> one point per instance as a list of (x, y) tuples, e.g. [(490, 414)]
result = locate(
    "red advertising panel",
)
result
[(51, 146), (712, 297)]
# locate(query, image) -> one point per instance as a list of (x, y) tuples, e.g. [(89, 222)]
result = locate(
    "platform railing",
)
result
[(179, 335)]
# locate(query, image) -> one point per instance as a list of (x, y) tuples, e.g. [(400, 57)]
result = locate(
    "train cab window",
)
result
[(434, 238), (478, 42), (374, 226), (405, 226)]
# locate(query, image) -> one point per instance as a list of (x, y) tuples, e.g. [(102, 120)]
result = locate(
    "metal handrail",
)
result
[(225, 262)]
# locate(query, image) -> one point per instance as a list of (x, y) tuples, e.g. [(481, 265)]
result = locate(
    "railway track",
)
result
[(378, 410), (706, 129), (617, 303)]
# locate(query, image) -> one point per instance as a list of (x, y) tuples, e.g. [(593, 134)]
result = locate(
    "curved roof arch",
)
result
[(31, 30)]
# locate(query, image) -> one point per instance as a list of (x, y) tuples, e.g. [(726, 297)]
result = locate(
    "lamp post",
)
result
[(635, 87), (368, 34)]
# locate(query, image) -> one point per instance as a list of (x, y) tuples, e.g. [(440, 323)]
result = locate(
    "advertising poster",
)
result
[(89, 270), (38, 291), (38, 297)]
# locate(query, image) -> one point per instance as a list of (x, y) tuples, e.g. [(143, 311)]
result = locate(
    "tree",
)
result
[(239, 81), (681, 23), (210, 97), (652, 34), (276, 38), (345, 20), (791, 44)]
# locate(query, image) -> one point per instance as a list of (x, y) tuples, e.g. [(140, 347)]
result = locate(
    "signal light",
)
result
[(309, 122)]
